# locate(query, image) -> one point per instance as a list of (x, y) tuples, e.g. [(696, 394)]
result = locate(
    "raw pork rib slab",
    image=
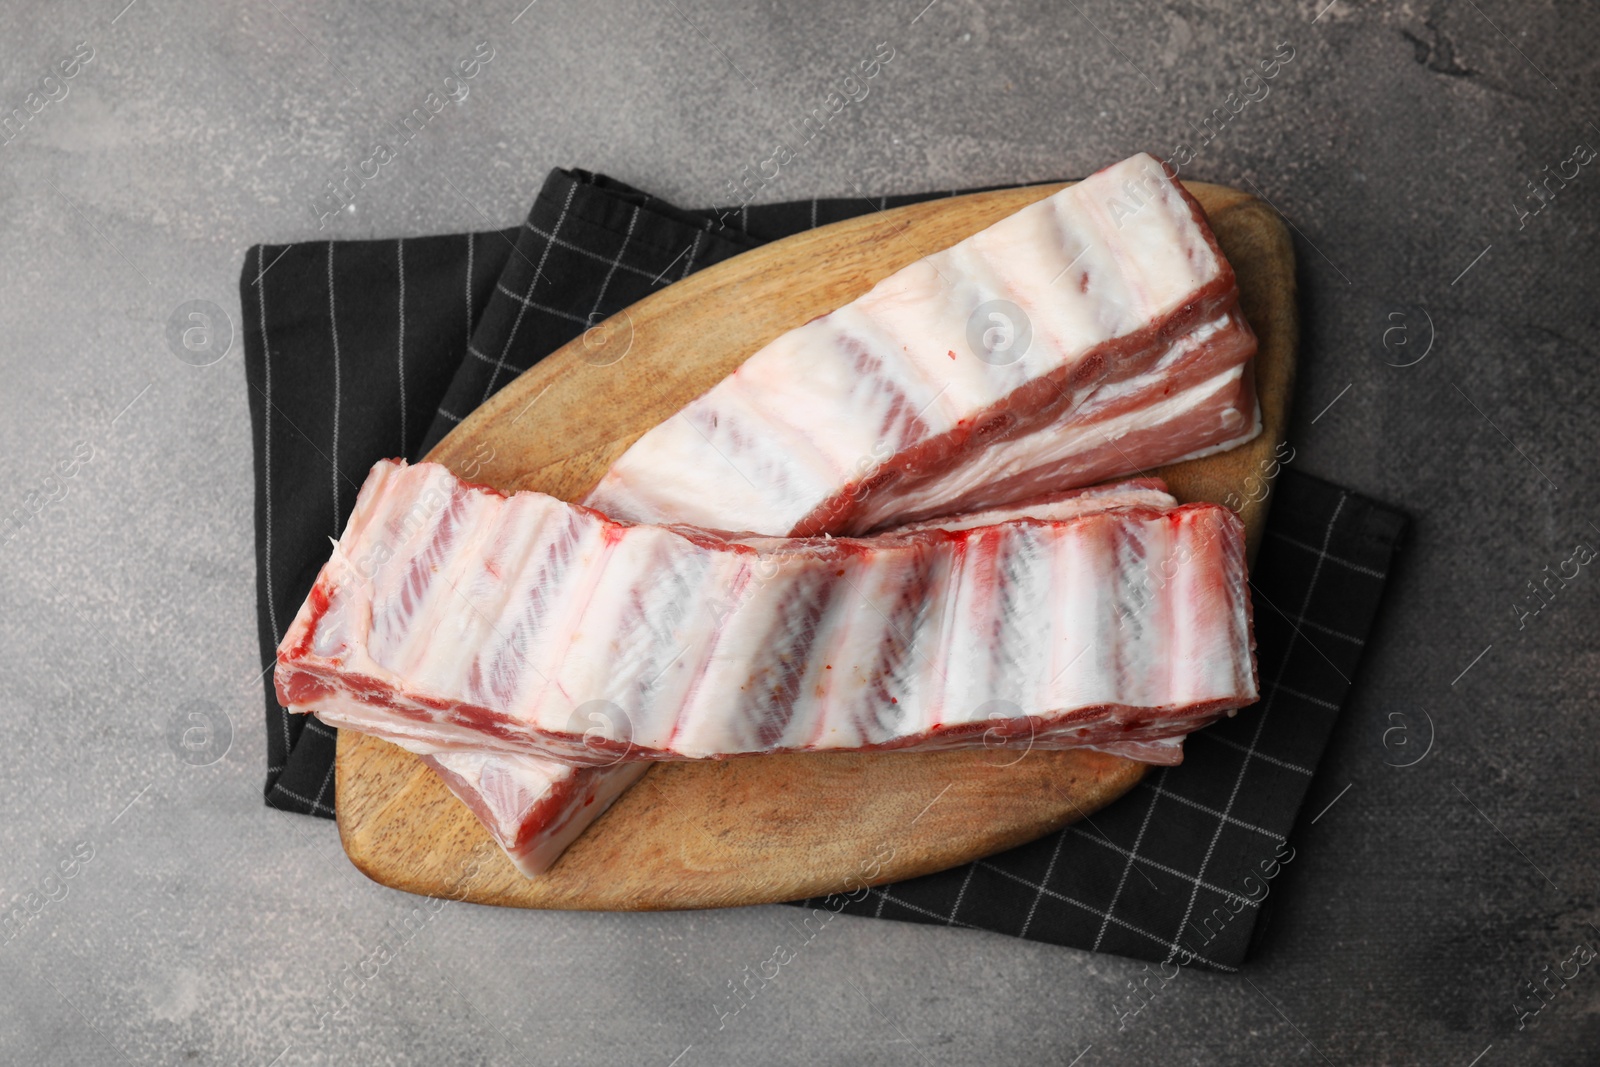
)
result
[(890, 407), (535, 808), (454, 617)]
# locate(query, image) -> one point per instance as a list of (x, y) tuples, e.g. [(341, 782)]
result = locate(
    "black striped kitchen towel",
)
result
[(360, 350)]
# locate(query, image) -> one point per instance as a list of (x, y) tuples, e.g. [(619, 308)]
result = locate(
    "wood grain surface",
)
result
[(772, 828)]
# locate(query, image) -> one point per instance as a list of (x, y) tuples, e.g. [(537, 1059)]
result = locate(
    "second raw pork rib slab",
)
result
[(950, 384), (495, 625)]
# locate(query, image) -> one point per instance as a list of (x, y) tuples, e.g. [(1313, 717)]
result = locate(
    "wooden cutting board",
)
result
[(772, 828)]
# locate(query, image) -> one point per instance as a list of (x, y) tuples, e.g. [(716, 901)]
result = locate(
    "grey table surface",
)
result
[(1449, 329)]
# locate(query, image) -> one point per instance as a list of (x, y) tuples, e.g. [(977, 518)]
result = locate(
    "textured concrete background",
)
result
[(203, 928)]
